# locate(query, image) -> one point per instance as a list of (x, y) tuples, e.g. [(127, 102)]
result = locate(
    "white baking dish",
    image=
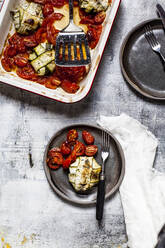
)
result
[(58, 94)]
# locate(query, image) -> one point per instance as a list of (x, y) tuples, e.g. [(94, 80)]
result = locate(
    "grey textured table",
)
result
[(31, 215)]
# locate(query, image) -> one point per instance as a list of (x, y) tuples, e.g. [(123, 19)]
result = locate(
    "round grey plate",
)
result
[(141, 67), (115, 167)]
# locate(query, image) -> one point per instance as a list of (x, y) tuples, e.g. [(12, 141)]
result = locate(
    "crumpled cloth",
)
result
[(143, 188)]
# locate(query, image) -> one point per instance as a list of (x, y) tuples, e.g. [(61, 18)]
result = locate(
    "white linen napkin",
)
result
[(143, 188)]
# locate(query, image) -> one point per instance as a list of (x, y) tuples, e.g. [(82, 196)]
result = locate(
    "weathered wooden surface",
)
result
[(31, 215)]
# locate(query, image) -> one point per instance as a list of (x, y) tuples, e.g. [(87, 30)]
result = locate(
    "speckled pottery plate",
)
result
[(115, 167), (11, 78), (141, 67)]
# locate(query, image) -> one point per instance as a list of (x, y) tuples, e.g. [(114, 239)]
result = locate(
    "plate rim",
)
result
[(131, 82), (62, 194)]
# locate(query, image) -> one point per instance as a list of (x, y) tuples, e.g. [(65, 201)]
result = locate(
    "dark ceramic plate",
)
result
[(115, 167), (141, 67)]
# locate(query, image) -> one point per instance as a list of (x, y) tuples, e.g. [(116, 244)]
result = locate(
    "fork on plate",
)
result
[(153, 42), (105, 150)]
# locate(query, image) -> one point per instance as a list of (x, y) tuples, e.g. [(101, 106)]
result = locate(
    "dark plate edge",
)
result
[(62, 195), (122, 49)]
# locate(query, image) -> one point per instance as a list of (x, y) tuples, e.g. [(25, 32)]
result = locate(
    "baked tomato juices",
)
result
[(30, 50)]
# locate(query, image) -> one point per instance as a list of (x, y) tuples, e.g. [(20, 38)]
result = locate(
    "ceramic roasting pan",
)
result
[(58, 94), (114, 168)]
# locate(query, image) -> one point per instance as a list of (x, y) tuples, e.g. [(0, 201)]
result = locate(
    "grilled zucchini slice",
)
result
[(84, 173), (27, 17), (32, 56), (43, 59), (51, 66), (94, 5)]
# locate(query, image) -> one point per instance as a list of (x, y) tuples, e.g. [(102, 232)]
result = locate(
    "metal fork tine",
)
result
[(106, 141), (149, 38), (151, 35), (153, 41), (102, 138)]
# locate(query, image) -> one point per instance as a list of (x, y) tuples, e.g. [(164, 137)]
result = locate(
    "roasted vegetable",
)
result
[(94, 5), (84, 173), (27, 17), (43, 59)]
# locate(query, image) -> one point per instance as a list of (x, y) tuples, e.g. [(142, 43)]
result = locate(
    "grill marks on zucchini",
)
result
[(43, 59), (84, 173), (27, 17), (94, 5)]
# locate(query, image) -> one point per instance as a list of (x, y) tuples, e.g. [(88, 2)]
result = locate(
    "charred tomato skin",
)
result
[(91, 150), (88, 137), (79, 148), (65, 148), (72, 136)]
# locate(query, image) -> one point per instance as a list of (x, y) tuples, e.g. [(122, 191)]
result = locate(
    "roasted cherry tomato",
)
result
[(48, 9), (7, 64), (52, 166), (17, 41), (41, 35), (72, 136), (86, 18), (79, 148), (51, 33), (55, 80), (91, 150), (53, 151), (100, 17), (58, 158), (58, 3), (30, 41), (73, 74), (10, 51), (52, 18), (27, 72), (66, 163), (69, 160), (55, 158), (88, 137), (48, 84), (65, 148), (93, 35), (41, 80), (21, 60), (69, 87)]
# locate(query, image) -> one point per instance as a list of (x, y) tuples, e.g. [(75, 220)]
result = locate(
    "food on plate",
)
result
[(84, 173), (66, 148), (94, 5), (91, 150), (72, 136), (55, 158), (79, 158), (30, 50), (27, 17), (88, 137)]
